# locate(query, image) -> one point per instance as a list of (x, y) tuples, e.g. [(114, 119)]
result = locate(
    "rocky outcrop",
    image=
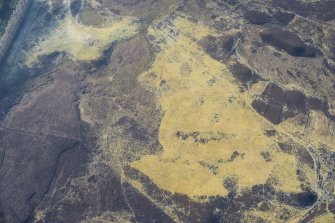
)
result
[(13, 27)]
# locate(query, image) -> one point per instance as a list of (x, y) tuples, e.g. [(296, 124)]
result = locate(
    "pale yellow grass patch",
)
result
[(198, 94), (83, 42), (326, 218)]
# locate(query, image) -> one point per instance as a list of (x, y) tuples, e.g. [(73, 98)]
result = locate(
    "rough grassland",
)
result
[(83, 42), (201, 100)]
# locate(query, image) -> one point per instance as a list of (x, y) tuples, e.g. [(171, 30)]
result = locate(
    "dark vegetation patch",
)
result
[(201, 3), (277, 104), (133, 129), (323, 10), (305, 157), (128, 2), (220, 48), (147, 10), (211, 167), (330, 43), (331, 207), (231, 184), (75, 7), (244, 75), (265, 206), (284, 18), (287, 41), (230, 2), (258, 15), (234, 155), (270, 132), (255, 16), (198, 138), (286, 147), (330, 65), (303, 199), (103, 60), (266, 156), (143, 208)]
